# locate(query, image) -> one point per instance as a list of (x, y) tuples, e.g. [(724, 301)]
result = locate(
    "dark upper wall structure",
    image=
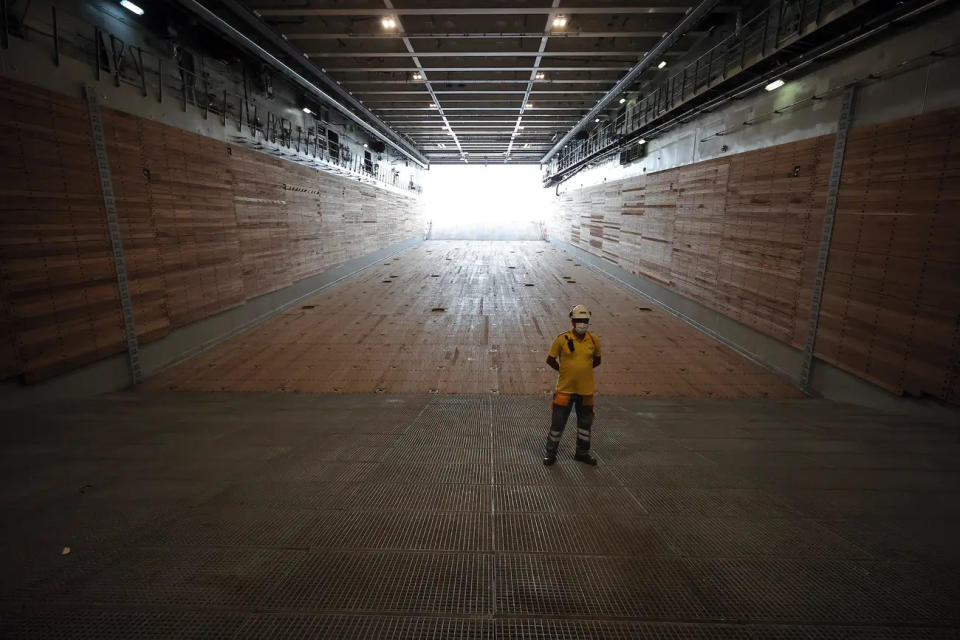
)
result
[(723, 217), (227, 210)]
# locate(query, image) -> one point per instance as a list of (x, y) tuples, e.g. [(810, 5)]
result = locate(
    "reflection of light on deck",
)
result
[(493, 202)]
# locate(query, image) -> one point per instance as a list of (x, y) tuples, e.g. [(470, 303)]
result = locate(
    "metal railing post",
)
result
[(56, 35), (143, 72)]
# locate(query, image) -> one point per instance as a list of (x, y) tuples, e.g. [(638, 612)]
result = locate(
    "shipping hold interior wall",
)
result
[(728, 212), (207, 226), (279, 281)]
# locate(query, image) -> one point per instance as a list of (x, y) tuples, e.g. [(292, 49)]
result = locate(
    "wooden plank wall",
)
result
[(730, 233), (891, 307), (741, 234), (206, 225), (57, 265)]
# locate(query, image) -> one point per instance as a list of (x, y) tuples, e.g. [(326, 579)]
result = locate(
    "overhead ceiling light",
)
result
[(307, 110), (662, 64), (388, 22), (529, 105), (417, 75), (773, 86), (541, 75), (364, 145), (642, 141), (433, 105), (129, 6), (560, 22), (596, 119), (622, 100)]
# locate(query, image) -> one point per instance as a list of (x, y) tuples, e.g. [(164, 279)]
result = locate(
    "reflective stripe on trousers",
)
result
[(562, 404)]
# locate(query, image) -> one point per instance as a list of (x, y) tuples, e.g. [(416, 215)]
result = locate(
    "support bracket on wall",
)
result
[(113, 225), (836, 169)]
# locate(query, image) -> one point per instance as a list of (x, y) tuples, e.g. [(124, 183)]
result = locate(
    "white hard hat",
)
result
[(580, 312)]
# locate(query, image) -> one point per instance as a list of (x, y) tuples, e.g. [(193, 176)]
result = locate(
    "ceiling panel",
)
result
[(483, 78)]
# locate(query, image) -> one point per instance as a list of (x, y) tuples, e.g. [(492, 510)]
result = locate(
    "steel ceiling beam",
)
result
[(468, 92), (462, 101), (626, 53), (656, 54), (458, 81), (426, 80), (477, 108), (311, 35), (474, 11), (473, 69)]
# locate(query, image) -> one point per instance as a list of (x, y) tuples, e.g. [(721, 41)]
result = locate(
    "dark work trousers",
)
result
[(562, 404)]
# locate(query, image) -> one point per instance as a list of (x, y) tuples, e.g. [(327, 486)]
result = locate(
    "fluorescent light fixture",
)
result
[(622, 100), (541, 75), (129, 6), (433, 105), (560, 22), (773, 86), (642, 141), (388, 22), (417, 75), (307, 110), (529, 105), (662, 64), (596, 119)]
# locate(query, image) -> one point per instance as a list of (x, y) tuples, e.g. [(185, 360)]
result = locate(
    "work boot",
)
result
[(586, 458), (549, 458)]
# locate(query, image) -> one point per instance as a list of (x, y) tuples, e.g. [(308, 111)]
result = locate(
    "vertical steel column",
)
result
[(113, 225), (143, 72), (4, 37), (56, 36), (833, 188)]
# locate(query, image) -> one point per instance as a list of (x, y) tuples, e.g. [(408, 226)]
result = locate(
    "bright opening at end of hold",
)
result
[(495, 201)]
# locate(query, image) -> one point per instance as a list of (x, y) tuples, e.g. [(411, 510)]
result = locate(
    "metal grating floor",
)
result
[(219, 515)]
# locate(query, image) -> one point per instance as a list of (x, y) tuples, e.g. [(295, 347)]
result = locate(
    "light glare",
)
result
[(129, 6), (773, 86)]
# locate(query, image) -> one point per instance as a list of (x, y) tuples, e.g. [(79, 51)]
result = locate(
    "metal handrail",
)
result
[(158, 75), (754, 41)]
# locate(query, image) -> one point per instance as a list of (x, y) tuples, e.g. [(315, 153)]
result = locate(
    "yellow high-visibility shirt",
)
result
[(576, 367)]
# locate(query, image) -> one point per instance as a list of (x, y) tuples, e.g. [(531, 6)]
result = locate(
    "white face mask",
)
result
[(580, 328)]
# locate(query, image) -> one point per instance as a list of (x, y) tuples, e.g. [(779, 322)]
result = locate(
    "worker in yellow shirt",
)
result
[(574, 354)]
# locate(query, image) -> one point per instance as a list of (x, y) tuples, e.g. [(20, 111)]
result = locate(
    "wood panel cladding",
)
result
[(57, 264), (740, 234), (205, 225), (734, 233), (891, 305)]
